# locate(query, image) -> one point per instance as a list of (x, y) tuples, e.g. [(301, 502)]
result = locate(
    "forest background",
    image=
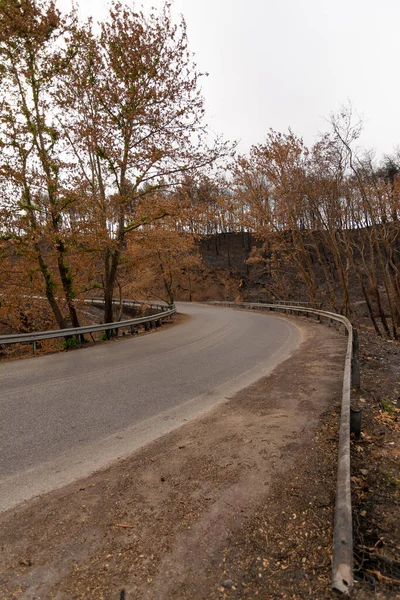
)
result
[(112, 185)]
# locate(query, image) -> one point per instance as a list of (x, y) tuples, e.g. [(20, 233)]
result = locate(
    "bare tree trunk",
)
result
[(50, 284), (121, 304), (369, 307), (112, 261), (50, 170), (190, 286), (49, 289)]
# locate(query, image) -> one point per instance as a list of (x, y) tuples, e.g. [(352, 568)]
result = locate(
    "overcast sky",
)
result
[(291, 63)]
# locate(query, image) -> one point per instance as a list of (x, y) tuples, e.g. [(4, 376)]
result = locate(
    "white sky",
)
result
[(290, 63)]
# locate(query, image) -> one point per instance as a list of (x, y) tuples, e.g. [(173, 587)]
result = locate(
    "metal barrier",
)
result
[(128, 303), (342, 556), (18, 338), (294, 303)]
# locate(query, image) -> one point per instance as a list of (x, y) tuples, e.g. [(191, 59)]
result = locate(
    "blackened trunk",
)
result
[(67, 282), (111, 259), (49, 289)]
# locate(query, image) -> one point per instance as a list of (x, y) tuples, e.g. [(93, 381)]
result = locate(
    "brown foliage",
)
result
[(92, 124)]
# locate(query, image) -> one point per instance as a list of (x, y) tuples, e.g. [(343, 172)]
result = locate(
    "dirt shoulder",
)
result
[(237, 504)]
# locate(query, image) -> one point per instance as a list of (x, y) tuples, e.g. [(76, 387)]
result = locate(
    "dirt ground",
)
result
[(237, 504), (376, 470)]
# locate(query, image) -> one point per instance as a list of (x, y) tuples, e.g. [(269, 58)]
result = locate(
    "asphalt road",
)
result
[(66, 415)]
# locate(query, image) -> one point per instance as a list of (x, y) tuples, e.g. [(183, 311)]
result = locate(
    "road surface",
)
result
[(66, 415)]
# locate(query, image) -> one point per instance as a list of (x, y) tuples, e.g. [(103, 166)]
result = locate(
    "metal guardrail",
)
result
[(99, 300), (293, 303), (342, 556), (128, 303), (18, 338)]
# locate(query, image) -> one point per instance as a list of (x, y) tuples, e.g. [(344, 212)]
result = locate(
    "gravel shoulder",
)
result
[(236, 504)]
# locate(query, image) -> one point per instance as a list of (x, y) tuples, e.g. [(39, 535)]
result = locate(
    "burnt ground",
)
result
[(237, 504), (376, 470)]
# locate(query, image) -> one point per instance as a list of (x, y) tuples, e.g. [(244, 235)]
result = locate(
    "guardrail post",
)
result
[(355, 422), (34, 346), (355, 361)]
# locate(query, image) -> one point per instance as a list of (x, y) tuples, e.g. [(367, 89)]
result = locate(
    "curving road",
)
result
[(66, 415)]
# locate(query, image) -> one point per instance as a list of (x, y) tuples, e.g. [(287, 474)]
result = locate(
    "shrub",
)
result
[(387, 405), (71, 343)]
